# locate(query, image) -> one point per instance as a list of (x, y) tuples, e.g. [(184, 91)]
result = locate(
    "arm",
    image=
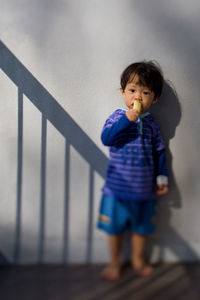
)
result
[(160, 161), (162, 173), (113, 128)]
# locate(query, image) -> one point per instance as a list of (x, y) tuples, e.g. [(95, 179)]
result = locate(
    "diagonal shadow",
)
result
[(51, 110)]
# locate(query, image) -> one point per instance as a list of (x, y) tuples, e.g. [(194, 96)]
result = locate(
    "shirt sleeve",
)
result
[(113, 127), (158, 142), (161, 168)]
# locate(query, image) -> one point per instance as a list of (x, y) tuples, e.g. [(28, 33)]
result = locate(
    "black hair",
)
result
[(149, 74)]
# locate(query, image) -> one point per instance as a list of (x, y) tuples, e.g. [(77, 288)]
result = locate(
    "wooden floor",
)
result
[(82, 282)]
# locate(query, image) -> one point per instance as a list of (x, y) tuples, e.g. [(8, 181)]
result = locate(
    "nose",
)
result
[(138, 97)]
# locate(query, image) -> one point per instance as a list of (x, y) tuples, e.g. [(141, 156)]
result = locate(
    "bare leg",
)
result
[(138, 244), (112, 271)]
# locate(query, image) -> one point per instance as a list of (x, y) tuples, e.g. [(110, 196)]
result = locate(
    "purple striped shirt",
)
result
[(131, 172)]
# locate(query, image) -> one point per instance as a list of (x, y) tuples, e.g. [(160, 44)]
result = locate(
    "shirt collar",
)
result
[(139, 121)]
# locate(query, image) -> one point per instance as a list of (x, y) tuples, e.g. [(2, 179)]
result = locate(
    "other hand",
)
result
[(162, 189)]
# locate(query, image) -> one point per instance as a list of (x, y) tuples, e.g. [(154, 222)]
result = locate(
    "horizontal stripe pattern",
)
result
[(130, 172)]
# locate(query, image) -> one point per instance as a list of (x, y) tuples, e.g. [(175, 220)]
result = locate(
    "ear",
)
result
[(155, 100), (122, 92)]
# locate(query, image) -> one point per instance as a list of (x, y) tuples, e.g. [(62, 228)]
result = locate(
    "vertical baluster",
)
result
[(17, 243), (66, 204), (90, 216), (42, 190)]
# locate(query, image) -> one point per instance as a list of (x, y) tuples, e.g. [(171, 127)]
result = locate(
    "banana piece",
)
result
[(137, 106)]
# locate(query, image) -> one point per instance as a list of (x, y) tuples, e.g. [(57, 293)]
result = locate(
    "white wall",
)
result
[(77, 50)]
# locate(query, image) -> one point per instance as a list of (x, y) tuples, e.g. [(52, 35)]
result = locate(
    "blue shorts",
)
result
[(117, 215)]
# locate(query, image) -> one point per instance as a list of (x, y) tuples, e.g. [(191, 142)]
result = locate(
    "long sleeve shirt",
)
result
[(137, 157)]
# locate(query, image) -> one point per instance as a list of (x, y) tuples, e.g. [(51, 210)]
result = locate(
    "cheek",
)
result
[(147, 102), (144, 103)]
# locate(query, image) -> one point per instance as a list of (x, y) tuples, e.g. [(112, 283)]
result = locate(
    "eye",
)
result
[(132, 90), (146, 93)]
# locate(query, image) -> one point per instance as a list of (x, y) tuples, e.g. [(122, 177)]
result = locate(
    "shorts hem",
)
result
[(142, 232), (110, 231)]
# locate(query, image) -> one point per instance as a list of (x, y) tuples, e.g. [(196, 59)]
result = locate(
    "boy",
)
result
[(137, 169)]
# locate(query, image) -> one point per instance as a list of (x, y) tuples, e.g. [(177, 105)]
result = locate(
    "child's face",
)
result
[(134, 91)]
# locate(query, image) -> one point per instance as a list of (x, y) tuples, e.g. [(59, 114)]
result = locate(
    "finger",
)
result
[(162, 191)]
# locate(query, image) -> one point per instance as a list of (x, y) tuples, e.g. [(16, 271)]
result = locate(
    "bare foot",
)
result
[(144, 271), (111, 272)]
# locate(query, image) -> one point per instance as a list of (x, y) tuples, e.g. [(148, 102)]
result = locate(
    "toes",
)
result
[(110, 273)]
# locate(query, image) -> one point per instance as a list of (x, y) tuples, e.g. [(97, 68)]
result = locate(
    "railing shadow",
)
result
[(168, 113), (51, 110)]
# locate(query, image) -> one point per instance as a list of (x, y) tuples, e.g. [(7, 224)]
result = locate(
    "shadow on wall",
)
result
[(168, 113), (173, 30), (75, 136)]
